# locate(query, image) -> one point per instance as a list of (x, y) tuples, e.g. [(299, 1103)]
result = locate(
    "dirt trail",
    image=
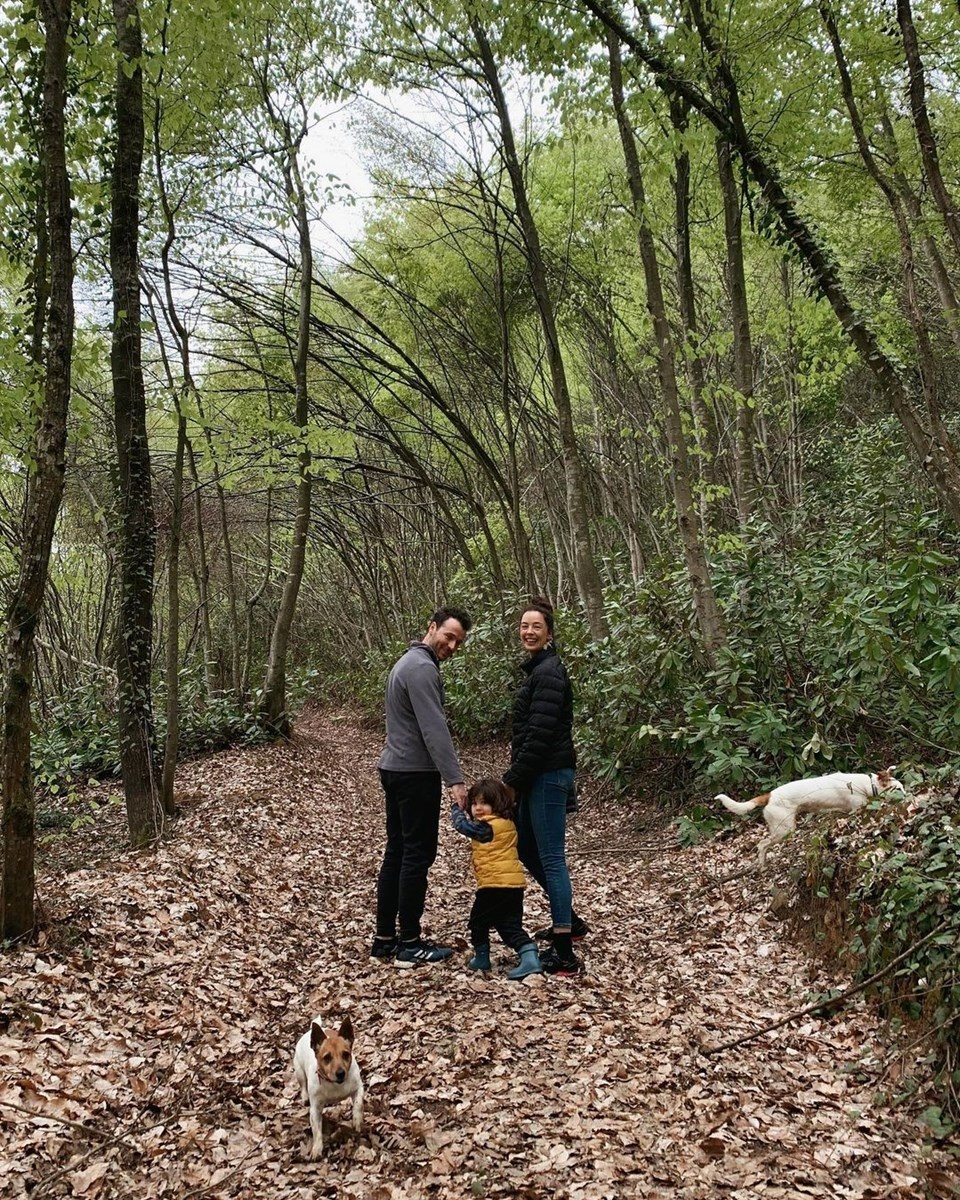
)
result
[(153, 1027)]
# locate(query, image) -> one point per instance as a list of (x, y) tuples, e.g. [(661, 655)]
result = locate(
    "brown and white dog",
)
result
[(327, 1072), (839, 792)]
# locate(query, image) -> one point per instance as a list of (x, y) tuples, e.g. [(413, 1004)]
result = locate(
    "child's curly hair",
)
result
[(496, 794)]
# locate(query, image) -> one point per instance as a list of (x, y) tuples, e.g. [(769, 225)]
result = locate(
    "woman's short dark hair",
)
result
[(496, 794), (452, 614), (543, 606)]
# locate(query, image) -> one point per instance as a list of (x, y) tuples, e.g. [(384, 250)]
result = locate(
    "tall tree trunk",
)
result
[(793, 485), (273, 704), (926, 358), (44, 488), (740, 322), (945, 203), (589, 586), (704, 425), (897, 388), (709, 617), (911, 200), (171, 744), (201, 575), (137, 534), (181, 336)]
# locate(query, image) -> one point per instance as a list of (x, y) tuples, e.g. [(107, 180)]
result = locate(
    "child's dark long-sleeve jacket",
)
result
[(493, 842)]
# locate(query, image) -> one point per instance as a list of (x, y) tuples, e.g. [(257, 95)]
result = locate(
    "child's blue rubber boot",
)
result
[(529, 963), (481, 958)]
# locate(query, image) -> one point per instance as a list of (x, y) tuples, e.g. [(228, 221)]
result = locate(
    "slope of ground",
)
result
[(145, 1043)]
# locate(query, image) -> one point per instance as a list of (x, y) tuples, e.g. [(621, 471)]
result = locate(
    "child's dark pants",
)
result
[(499, 908)]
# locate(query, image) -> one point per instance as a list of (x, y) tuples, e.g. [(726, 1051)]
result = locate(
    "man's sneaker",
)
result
[(578, 929), (420, 953), (553, 964), (384, 949)]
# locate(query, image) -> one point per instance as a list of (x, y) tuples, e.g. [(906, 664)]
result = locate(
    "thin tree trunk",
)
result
[(201, 575), (945, 203), (44, 489), (938, 268), (704, 425), (589, 586), (709, 617), (273, 705), (794, 479), (740, 321), (936, 457), (925, 355), (182, 337), (172, 742), (137, 534)]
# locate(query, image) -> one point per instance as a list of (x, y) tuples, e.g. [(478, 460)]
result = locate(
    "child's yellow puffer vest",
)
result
[(495, 863)]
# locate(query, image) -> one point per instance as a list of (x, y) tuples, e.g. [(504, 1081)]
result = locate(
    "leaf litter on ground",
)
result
[(145, 1041)]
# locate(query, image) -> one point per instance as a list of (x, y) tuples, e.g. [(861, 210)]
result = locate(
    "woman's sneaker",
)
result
[(553, 964), (420, 953), (384, 949), (578, 929)]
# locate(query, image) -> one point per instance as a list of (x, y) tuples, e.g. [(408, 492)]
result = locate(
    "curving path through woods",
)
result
[(144, 1045)]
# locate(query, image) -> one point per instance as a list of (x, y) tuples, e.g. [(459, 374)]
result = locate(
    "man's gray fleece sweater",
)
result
[(418, 738)]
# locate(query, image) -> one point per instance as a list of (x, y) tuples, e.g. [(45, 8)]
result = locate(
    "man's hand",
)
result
[(459, 793)]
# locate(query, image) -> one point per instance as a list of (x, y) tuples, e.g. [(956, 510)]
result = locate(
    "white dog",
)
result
[(327, 1072), (839, 792)]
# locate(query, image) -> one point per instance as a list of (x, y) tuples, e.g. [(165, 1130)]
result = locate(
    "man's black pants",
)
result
[(413, 828), (499, 908)]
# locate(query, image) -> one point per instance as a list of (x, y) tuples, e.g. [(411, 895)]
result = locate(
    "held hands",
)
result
[(459, 793)]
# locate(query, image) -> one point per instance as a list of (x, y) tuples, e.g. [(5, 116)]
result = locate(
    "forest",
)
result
[(651, 309)]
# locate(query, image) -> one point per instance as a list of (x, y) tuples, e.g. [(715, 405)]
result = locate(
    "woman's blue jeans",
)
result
[(541, 834)]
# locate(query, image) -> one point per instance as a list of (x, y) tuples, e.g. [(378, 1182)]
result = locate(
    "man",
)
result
[(417, 760)]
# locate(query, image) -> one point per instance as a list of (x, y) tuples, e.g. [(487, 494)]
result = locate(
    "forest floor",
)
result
[(145, 1043)]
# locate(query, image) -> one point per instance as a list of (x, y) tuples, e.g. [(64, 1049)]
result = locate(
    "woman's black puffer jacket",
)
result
[(542, 721)]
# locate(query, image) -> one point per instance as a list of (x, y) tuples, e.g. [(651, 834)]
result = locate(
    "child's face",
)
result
[(480, 810)]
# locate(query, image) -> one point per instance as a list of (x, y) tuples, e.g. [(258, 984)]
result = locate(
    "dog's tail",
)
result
[(747, 806)]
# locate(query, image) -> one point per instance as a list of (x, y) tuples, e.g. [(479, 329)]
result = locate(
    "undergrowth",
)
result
[(883, 899)]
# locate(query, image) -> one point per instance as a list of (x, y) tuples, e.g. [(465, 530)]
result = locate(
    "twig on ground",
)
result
[(720, 880), (49, 1180), (33, 1112), (834, 1002)]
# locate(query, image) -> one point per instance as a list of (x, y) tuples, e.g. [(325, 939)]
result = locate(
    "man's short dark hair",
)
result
[(452, 614)]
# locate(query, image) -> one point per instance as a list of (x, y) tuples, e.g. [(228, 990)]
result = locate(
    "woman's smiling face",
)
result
[(534, 633)]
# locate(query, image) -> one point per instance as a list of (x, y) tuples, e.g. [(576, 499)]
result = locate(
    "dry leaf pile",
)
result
[(145, 1043)]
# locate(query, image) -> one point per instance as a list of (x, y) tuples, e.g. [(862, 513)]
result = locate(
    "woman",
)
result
[(541, 772)]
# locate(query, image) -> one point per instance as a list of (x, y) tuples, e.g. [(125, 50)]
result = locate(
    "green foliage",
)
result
[(210, 722), (697, 824), (75, 739), (906, 904), (480, 682)]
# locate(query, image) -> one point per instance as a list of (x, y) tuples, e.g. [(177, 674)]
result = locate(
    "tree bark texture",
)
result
[(44, 490), (137, 535)]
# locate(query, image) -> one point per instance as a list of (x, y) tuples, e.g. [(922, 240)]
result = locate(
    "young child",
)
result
[(498, 903)]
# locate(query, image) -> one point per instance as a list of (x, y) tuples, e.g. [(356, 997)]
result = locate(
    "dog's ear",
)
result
[(346, 1030), (890, 770), (317, 1036)]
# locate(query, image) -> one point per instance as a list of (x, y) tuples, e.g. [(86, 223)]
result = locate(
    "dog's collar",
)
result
[(874, 790)]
